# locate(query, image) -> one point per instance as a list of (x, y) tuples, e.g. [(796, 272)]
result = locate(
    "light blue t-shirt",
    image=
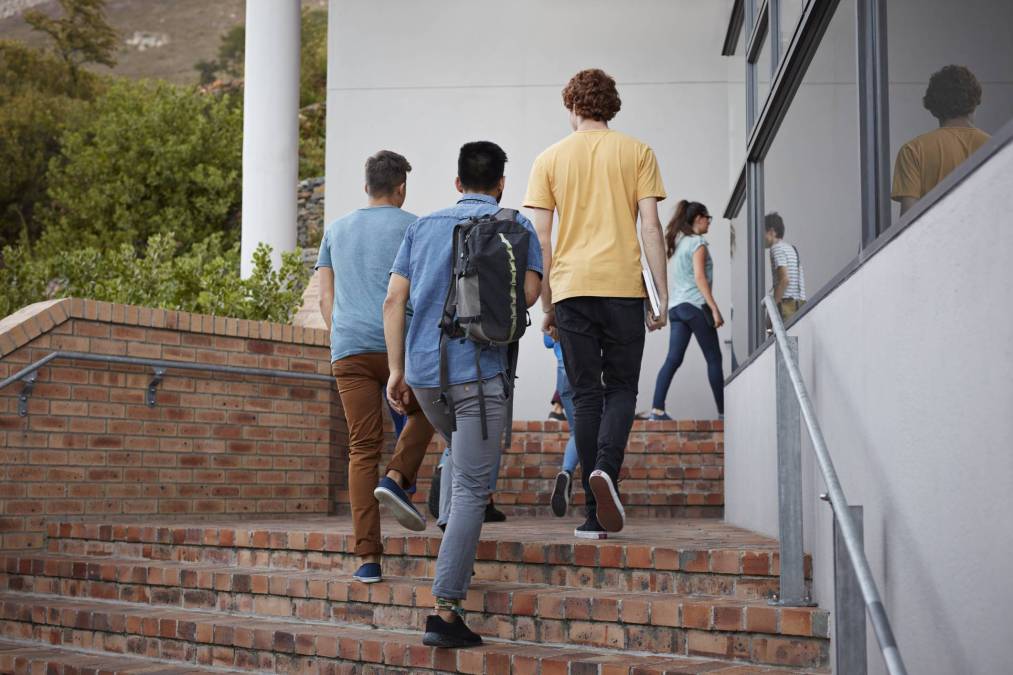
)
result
[(681, 280), (360, 247), (424, 259)]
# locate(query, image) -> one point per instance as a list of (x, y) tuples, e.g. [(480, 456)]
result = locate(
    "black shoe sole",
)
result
[(561, 495), (608, 507), (434, 494), (447, 642)]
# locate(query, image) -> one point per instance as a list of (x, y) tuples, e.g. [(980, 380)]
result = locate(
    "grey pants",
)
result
[(470, 470)]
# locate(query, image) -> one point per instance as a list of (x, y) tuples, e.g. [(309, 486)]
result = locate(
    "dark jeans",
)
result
[(687, 319), (603, 343)]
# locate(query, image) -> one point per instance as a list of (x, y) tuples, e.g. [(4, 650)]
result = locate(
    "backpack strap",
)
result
[(481, 393), (511, 375), (506, 214), (447, 324)]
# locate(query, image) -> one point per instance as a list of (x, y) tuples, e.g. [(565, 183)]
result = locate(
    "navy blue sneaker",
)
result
[(397, 500), (369, 573)]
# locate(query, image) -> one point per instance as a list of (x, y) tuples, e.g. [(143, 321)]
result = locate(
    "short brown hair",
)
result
[(592, 94), (384, 172)]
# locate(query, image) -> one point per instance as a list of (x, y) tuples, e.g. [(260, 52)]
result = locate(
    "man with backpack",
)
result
[(598, 180), (470, 272)]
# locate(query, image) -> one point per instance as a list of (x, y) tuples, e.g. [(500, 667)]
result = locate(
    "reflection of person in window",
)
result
[(952, 96)]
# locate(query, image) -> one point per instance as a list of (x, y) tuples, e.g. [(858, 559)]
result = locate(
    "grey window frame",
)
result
[(764, 119)]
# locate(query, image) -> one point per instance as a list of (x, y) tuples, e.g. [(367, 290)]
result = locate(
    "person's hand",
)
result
[(549, 325), (398, 393), (718, 319), (655, 322)]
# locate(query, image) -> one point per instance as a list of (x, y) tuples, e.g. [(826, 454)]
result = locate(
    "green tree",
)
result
[(38, 101), (149, 158), (313, 58), (82, 35)]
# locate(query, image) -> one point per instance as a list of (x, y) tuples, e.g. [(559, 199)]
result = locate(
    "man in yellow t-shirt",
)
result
[(952, 96), (597, 180)]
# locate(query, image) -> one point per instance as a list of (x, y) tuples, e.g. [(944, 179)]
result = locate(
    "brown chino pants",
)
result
[(362, 379)]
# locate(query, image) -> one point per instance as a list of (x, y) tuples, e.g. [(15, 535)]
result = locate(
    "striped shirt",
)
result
[(786, 256)]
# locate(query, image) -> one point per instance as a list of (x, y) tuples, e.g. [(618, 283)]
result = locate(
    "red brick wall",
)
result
[(213, 444)]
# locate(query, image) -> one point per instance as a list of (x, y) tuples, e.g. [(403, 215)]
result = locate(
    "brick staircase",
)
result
[(672, 469), (276, 595), (213, 553)]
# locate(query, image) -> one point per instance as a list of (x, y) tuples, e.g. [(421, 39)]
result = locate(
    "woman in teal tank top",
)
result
[(691, 306)]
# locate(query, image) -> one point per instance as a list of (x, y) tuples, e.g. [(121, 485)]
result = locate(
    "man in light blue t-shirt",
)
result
[(356, 255)]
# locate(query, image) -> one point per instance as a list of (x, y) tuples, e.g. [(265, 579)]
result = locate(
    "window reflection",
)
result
[(951, 86), (811, 174)]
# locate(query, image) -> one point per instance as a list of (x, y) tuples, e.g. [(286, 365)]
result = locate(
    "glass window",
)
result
[(791, 13), (763, 66), (737, 313), (811, 174), (951, 85), (737, 129)]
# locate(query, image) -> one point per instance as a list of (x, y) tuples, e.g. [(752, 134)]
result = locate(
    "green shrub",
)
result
[(204, 279), (38, 101), (150, 158)]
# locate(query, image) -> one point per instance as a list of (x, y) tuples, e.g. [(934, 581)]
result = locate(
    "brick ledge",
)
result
[(26, 324)]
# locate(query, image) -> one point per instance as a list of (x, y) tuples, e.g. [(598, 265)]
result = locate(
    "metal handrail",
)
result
[(161, 364), (849, 529)]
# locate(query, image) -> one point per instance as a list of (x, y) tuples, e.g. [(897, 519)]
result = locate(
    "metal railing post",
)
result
[(835, 495), (849, 608), (789, 483)]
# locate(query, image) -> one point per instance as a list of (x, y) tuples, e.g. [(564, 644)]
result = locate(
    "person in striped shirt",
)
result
[(785, 267)]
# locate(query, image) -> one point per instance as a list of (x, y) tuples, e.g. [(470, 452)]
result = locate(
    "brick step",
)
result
[(22, 658), (576, 511), (254, 643), (686, 556), (642, 621)]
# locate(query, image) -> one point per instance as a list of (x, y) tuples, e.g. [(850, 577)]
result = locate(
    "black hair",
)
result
[(774, 221), (681, 224), (953, 92), (480, 165), (384, 172)]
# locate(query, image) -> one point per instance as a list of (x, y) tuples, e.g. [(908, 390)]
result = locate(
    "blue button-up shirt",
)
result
[(424, 259)]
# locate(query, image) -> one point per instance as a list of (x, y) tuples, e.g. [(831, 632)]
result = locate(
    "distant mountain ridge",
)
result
[(161, 39)]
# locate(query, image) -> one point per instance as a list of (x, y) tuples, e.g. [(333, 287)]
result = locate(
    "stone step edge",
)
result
[(331, 640), (673, 610), (746, 560), (25, 656)]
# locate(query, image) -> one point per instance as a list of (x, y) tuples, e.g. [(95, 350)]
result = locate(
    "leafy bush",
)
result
[(38, 101), (150, 158), (203, 279)]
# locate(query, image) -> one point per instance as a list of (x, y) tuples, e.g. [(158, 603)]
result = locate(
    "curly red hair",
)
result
[(592, 94)]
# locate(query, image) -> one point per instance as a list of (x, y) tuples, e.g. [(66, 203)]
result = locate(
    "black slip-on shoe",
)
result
[(492, 514), (591, 529), (453, 635), (561, 494), (608, 508)]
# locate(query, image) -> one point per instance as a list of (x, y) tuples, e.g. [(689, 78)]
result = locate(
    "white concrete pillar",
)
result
[(270, 127)]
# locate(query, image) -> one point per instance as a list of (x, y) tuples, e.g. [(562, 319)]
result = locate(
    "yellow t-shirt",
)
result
[(594, 179), (924, 161)]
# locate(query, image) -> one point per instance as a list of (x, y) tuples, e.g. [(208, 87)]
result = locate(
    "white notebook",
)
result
[(652, 292)]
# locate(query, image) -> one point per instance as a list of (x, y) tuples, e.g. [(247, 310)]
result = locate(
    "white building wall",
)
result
[(424, 78), (910, 367)]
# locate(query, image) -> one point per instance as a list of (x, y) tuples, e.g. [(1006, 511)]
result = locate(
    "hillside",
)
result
[(162, 39)]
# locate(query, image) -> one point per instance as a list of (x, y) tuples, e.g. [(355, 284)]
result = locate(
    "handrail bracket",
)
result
[(156, 380), (29, 381)]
